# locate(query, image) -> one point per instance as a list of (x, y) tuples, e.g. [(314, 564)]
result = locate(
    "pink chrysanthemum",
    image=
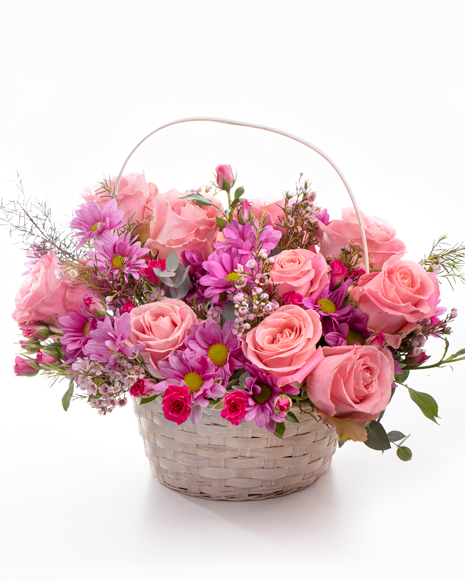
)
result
[(76, 328), (221, 272), (92, 220), (220, 345), (115, 255), (244, 238)]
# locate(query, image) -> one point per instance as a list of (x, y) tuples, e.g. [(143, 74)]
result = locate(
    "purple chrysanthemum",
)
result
[(329, 306), (220, 345), (199, 374), (107, 342), (244, 238), (194, 260), (115, 255), (350, 331), (221, 272), (262, 390), (76, 328), (91, 220)]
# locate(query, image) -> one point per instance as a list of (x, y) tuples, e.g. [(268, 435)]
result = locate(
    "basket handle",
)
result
[(271, 130)]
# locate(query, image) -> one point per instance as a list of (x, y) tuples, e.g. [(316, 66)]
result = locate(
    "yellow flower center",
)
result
[(117, 261), (218, 353), (327, 306), (193, 381), (354, 337), (264, 395), (95, 227), (86, 328), (232, 276)]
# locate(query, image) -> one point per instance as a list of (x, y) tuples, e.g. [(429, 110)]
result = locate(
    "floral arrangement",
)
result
[(252, 308)]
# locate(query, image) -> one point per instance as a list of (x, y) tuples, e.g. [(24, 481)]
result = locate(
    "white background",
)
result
[(380, 87)]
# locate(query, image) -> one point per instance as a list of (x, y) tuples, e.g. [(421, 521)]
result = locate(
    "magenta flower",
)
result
[(262, 391), (115, 255), (329, 306), (199, 374), (76, 328), (220, 345), (128, 306), (142, 387), (244, 238), (221, 272), (350, 330), (194, 260), (107, 342), (235, 407), (323, 217), (292, 298), (92, 220), (149, 273), (176, 403)]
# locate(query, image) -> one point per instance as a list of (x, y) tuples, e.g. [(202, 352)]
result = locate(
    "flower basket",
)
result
[(252, 337), (218, 461)]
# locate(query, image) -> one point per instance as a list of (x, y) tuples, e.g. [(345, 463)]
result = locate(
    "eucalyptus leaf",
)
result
[(291, 417), (426, 403), (66, 399), (181, 275), (377, 438), (179, 292), (172, 261), (395, 436), (243, 377), (280, 429), (164, 273), (168, 282), (199, 199), (404, 453)]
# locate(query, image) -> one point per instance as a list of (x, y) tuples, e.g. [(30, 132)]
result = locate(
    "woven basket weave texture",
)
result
[(217, 460)]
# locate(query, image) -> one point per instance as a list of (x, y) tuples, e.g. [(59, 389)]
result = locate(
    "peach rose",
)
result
[(381, 240), (396, 298), (182, 225), (42, 295), (162, 326), (135, 197), (352, 382), (302, 271), (284, 344)]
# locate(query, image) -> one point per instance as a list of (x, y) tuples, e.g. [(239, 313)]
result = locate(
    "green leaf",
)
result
[(455, 355), (395, 436), (426, 403), (377, 438), (199, 199), (147, 399), (66, 399), (402, 377), (292, 417), (238, 193), (404, 453), (280, 429), (221, 222)]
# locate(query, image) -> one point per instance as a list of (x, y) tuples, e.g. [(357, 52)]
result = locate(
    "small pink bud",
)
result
[(224, 172)]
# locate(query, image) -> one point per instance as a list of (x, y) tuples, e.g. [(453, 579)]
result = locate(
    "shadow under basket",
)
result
[(219, 461)]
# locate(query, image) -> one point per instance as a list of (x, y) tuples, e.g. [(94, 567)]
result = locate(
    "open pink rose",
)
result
[(235, 406), (182, 225), (302, 271), (396, 298), (284, 344), (176, 403), (381, 240), (135, 197), (352, 382), (162, 326), (42, 295)]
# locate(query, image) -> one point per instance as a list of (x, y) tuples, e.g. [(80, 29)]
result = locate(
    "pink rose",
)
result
[(226, 172), (338, 271), (302, 271), (381, 240), (282, 404), (23, 366), (149, 273), (42, 295), (142, 387), (396, 298), (292, 298), (44, 357), (135, 197), (162, 326), (177, 403), (284, 344), (182, 225), (352, 382), (35, 331), (235, 406)]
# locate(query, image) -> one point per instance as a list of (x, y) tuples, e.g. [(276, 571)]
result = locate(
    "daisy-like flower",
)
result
[(220, 345), (329, 306), (199, 374), (221, 272), (244, 238), (263, 392), (91, 220), (107, 342), (194, 260), (115, 255), (76, 327), (351, 330)]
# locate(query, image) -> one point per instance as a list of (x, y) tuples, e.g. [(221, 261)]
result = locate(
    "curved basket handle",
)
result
[(271, 130)]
